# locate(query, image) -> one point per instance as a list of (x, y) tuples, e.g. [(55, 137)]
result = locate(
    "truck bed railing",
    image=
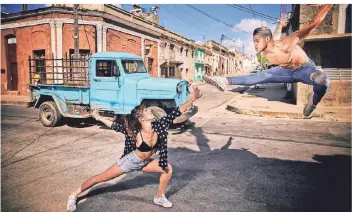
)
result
[(65, 71)]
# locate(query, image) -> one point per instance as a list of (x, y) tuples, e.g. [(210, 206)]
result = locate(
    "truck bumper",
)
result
[(186, 115)]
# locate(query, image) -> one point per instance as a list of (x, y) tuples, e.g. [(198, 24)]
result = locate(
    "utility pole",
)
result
[(219, 68), (75, 17)]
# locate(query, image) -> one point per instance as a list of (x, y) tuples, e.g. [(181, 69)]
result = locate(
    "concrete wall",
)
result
[(339, 94), (307, 13)]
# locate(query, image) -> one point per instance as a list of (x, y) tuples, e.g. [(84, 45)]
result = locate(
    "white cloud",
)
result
[(118, 5), (48, 5), (239, 45), (200, 42), (250, 24)]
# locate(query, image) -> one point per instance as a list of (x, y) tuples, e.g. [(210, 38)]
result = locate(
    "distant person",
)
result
[(293, 63)]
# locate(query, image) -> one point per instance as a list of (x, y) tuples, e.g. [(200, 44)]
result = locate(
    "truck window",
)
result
[(133, 66), (104, 68)]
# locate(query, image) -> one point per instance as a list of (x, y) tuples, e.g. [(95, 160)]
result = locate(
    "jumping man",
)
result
[(293, 63)]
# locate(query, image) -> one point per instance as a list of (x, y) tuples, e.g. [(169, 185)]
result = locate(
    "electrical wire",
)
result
[(218, 20)]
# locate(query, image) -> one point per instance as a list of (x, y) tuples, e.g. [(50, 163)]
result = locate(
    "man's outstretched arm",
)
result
[(293, 39), (277, 34)]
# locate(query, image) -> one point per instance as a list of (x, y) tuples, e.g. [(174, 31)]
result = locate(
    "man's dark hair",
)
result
[(263, 32)]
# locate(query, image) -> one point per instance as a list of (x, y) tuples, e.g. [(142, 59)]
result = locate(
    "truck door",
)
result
[(106, 89)]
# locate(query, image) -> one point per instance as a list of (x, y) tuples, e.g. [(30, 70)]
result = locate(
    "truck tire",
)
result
[(49, 114)]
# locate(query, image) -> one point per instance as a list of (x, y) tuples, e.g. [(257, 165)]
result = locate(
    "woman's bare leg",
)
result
[(111, 173), (165, 176)]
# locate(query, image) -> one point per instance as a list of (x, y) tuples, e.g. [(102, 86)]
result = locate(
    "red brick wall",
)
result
[(153, 53), (122, 42), (50, 16), (28, 39), (86, 38)]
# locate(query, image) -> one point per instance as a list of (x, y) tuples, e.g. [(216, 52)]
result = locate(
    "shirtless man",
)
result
[(293, 63)]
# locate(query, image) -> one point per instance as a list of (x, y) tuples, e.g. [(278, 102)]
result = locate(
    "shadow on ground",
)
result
[(272, 92), (232, 180)]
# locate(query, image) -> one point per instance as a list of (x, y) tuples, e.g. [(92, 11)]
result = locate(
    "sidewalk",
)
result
[(15, 100), (269, 100)]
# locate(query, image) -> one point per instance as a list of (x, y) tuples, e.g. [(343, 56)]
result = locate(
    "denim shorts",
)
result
[(131, 162)]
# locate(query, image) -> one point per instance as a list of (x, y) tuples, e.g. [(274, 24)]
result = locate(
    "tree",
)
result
[(263, 61)]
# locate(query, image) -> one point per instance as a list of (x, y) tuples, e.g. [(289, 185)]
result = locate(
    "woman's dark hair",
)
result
[(263, 32), (132, 123)]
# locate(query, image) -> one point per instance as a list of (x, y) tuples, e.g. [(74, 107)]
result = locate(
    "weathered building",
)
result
[(219, 66), (48, 32)]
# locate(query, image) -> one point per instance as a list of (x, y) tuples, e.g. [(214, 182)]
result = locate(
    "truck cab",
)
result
[(113, 82)]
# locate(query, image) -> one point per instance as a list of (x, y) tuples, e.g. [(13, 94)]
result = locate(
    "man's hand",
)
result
[(282, 21)]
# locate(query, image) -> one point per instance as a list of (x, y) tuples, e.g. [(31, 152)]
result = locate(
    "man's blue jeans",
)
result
[(307, 73)]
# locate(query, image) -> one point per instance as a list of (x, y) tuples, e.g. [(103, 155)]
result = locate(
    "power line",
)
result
[(181, 9), (218, 20), (186, 20), (176, 11), (252, 11)]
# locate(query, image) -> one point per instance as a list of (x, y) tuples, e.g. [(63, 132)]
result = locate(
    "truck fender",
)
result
[(61, 105)]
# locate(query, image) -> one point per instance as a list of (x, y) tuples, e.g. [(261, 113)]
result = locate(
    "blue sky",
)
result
[(199, 27)]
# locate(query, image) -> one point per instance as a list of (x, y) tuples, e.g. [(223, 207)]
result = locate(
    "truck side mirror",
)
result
[(116, 71)]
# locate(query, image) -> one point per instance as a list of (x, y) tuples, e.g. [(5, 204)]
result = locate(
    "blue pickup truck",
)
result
[(113, 82)]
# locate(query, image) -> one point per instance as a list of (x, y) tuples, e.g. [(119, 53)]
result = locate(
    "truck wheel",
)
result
[(49, 114)]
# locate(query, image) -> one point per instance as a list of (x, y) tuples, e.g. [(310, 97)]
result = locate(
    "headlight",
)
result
[(179, 88)]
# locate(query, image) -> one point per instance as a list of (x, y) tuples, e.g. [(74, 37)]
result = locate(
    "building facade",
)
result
[(199, 70), (48, 33)]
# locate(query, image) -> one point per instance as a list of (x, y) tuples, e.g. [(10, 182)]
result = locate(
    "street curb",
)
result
[(270, 114), (16, 103)]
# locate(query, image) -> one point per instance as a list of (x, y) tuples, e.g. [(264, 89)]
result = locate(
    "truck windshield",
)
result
[(133, 66)]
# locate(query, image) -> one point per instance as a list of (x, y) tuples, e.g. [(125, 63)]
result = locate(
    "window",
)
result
[(105, 68), (172, 71), (172, 46), (133, 66), (82, 52), (40, 67), (192, 54), (181, 50), (11, 40), (186, 52)]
